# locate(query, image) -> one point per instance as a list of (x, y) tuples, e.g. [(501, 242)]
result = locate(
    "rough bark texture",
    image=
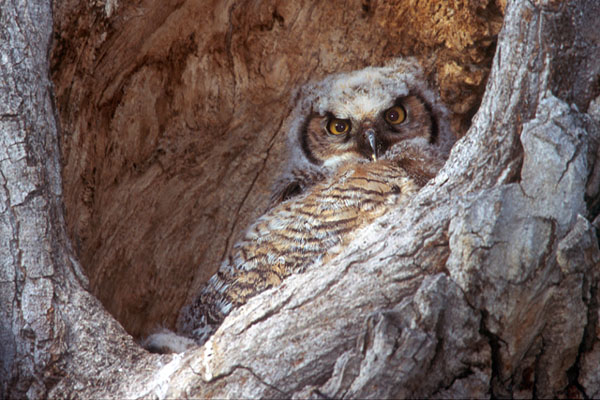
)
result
[(52, 330), (486, 284)]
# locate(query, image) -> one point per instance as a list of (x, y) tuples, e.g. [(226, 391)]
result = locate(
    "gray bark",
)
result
[(485, 284), (52, 331)]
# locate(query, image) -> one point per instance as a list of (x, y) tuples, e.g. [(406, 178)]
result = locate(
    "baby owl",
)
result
[(359, 144)]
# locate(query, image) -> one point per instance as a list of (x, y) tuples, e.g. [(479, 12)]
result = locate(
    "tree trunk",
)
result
[(52, 330), (485, 285)]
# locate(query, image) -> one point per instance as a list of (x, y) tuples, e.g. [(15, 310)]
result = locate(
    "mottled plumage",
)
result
[(296, 233), (359, 145)]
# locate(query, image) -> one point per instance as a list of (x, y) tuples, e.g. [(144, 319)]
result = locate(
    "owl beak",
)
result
[(372, 139)]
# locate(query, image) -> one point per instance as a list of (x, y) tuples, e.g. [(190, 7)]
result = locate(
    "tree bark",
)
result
[(486, 284), (52, 330)]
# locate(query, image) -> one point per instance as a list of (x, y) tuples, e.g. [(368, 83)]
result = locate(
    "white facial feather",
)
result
[(334, 162), (363, 94)]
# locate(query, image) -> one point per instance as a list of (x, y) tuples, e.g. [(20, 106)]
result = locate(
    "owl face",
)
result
[(359, 116), (364, 131)]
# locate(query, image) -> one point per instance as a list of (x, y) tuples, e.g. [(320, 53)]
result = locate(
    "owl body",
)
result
[(359, 145), (298, 232)]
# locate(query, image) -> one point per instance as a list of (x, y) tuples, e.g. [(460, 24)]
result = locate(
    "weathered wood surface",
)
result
[(486, 284)]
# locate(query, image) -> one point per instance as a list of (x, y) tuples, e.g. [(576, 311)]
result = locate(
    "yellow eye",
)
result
[(337, 126), (395, 115)]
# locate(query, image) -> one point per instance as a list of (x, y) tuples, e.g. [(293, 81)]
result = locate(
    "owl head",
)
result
[(363, 116)]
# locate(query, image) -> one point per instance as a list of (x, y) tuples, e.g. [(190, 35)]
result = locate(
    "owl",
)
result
[(360, 117), (359, 144)]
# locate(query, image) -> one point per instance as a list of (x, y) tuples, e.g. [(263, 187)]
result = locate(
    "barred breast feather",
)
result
[(298, 232)]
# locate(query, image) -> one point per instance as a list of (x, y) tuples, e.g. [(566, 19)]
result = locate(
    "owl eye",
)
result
[(395, 115), (337, 126)]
